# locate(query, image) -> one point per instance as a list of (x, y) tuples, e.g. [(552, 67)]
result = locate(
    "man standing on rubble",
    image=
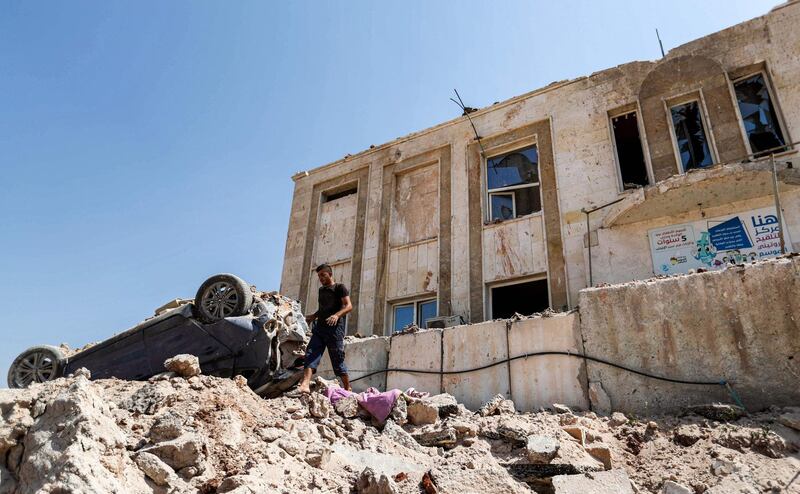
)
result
[(334, 304)]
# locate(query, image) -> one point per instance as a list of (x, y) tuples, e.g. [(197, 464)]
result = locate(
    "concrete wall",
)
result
[(362, 356), (532, 383), (741, 324), (418, 351)]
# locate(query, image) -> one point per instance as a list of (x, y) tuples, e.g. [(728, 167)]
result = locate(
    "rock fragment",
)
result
[(399, 412), (319, 405), (445, 438), (601, 453), (687, 434), (496, 405), (790, 418), (347, 407), (371, 483), (318, 456), (617, 419), (184, 451), (184, 365), (541, 449), (155, 469), (421, 412), (670, 487)]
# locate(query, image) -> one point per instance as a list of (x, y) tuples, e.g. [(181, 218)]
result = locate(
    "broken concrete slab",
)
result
[(541, 449), (609, 482), (420, 412)]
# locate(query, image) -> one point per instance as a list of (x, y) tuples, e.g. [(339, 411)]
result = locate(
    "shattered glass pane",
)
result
[(516, 168), (691, 136), (403, 316), (758, 114), (502, 206), (426, 311)]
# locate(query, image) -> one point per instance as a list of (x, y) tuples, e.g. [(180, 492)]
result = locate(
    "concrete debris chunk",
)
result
[(399, 412), (719, 412), (421, 412), (610, 482), (687, 434), (617, 419), (319, 405), (184, 365), (497, 405), (671, 487), (347, 407), (576, 432), (155, 469), (601, 453), (559, 408), (371, 483), (318, 456), (541, 449), (397, 434), (83, 372), (184, 451), (445, 403), (445, 438)]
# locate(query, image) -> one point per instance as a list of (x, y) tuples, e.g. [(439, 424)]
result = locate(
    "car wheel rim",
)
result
[(36, 367), (220, 300)]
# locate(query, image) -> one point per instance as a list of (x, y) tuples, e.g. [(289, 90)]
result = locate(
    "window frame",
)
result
[(620, 112), (775, 105), (504, 150), (694, 96), (416, 311)]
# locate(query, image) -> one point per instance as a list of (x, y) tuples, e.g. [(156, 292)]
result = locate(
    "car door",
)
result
[(124, 356), (177, 335)]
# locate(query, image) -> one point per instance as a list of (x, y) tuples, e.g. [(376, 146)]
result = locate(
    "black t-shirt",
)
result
[(330, 300)]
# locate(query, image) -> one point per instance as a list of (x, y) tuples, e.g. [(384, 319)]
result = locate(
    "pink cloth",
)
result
[(376, 403), (335, 393)]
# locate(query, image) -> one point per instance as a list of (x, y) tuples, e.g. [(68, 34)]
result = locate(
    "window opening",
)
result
[(413, 312), (690, 134), (340, 194), (516, 175), (758, 113), (630, 155), (524, 298)]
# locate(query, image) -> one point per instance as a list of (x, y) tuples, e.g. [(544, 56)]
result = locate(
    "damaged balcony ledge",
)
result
[(709, 187)]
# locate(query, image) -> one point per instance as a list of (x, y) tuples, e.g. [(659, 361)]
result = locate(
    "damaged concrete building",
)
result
[(648, 168)]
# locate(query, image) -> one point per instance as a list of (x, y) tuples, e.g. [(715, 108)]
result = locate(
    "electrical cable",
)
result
[(538, 354)]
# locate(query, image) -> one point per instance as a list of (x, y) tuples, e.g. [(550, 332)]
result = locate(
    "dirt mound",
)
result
[(212, 435)]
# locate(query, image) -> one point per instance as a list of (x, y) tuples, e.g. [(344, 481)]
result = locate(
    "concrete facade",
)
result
[(420, 202)]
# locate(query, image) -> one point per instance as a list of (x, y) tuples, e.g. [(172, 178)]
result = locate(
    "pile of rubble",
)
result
[(184, 432)]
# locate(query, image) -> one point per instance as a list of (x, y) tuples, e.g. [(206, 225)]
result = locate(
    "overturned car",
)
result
[(230, 326)]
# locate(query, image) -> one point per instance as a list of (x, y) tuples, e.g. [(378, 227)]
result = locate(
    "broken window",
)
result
[(690, 135), (524, 298), (630, 155), (512, 181), (332, 196), (758, 114), (413, 312)]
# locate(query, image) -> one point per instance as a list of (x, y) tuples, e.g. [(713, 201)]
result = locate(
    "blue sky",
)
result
[(146, 145)]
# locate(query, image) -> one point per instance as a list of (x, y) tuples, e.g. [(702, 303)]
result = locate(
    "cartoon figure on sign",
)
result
[(706, 252)]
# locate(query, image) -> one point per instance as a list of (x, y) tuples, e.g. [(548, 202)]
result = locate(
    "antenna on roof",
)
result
[(467, 110), (660, 44)]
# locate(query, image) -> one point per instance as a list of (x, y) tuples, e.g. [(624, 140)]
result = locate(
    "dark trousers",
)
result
[(331, 337)]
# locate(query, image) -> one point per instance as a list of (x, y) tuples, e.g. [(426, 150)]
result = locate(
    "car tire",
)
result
[(35, 365), (221, 296)]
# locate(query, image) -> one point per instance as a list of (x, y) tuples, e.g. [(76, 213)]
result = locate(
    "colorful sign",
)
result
[(717, 242)]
